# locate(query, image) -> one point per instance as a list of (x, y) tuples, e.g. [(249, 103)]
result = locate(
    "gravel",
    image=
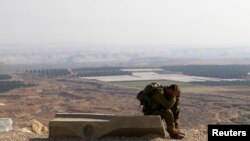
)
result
[(18, 135)]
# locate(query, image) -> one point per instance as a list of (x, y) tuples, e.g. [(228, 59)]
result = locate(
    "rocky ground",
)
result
[(17, 135), (52, 96)]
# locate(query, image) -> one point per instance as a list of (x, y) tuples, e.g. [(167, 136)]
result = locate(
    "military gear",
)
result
[(146, 100), (156, 101)]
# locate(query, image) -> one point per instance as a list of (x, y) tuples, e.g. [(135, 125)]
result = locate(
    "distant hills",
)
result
[(90, 54)]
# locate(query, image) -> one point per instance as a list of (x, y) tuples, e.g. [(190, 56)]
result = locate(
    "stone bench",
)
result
[(89, 126)]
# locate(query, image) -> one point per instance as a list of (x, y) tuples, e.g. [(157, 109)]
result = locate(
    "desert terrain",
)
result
[(200, 105), (89, 56)]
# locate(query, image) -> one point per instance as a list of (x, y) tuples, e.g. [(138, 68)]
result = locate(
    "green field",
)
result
[(142, 84), (185, 86)]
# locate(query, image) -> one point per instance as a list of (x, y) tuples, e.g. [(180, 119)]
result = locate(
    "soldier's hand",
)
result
[(178, 91), (179, 94)]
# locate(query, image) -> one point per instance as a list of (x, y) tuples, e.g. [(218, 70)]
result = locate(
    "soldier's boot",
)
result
[(169, 119), (176, 122), (174, 134)]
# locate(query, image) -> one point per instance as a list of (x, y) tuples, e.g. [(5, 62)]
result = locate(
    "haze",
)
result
[(118, 32), (126, 22)]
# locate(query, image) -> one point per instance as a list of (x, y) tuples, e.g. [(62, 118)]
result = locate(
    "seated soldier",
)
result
[(165, 102)]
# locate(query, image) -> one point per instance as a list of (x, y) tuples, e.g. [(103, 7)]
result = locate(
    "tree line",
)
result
[(9, 85), (49, 72), (5, 77), (100, 71), (217, 71)]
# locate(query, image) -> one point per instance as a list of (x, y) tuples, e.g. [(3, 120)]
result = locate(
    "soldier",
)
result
[(164, 102)]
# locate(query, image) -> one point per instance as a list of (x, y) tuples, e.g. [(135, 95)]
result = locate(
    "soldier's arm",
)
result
[(176, 108), (176, 111), (176, 104), (160, 98)]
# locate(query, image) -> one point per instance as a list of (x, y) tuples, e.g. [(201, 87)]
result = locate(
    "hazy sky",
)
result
[(126, 22)]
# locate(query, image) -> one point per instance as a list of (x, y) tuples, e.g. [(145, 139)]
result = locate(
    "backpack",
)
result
[(145, 98)]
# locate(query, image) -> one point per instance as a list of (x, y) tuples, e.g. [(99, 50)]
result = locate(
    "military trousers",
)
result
[(171, 117)]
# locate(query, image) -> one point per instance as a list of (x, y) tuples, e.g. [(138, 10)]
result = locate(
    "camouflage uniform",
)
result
[(167, 108)]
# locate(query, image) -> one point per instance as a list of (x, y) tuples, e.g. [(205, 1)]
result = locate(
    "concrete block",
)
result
[(90, 126)]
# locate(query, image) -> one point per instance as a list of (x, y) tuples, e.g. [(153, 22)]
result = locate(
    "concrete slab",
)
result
[(89, 126), (5, 124)]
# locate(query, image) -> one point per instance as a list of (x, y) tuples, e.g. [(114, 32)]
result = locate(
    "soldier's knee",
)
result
[(177, 111), (167, 113)]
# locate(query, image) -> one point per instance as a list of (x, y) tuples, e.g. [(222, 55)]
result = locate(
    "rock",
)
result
[(38, 127), (200, 126), (25, 130), (5, 124)]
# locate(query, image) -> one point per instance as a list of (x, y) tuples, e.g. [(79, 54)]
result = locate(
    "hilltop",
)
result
[(50, 96)]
